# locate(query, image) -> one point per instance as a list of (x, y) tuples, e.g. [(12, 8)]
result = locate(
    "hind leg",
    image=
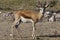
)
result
[(14, 24)]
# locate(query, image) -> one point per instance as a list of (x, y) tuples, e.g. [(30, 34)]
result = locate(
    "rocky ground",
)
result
[(44, 30)]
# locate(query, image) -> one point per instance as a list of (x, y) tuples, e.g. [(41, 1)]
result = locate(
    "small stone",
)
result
[(11, 34)]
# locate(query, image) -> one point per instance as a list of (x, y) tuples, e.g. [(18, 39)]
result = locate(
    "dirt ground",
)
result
[(43, 30)]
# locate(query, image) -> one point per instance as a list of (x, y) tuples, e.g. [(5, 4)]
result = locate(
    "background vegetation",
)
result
[(25, 4)]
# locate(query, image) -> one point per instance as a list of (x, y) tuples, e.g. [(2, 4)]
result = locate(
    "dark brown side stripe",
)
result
[(25, 16)]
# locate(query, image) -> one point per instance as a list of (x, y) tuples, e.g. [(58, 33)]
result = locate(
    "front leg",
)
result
[(33, 32)]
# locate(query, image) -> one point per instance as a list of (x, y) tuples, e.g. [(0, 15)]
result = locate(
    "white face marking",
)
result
[(41, 10), (25, 19)]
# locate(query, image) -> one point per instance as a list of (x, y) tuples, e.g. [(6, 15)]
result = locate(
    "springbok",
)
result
[(26, 15)]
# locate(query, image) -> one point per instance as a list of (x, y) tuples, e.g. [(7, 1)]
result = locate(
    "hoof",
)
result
[(34, 37)]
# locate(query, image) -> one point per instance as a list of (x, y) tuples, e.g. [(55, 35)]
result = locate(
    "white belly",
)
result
[(26, 20)]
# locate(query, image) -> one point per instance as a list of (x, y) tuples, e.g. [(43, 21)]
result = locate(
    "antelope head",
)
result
[(42, 6)]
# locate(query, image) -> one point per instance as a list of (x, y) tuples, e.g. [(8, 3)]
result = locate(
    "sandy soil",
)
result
[(25, 30)]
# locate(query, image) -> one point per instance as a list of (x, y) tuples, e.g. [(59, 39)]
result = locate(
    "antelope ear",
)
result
[(46, 4)]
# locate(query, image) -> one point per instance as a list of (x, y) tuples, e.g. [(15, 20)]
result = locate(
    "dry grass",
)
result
[(23, 4), (25, 29)]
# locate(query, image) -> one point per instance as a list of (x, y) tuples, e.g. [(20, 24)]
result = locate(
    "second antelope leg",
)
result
[(14, 24)]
